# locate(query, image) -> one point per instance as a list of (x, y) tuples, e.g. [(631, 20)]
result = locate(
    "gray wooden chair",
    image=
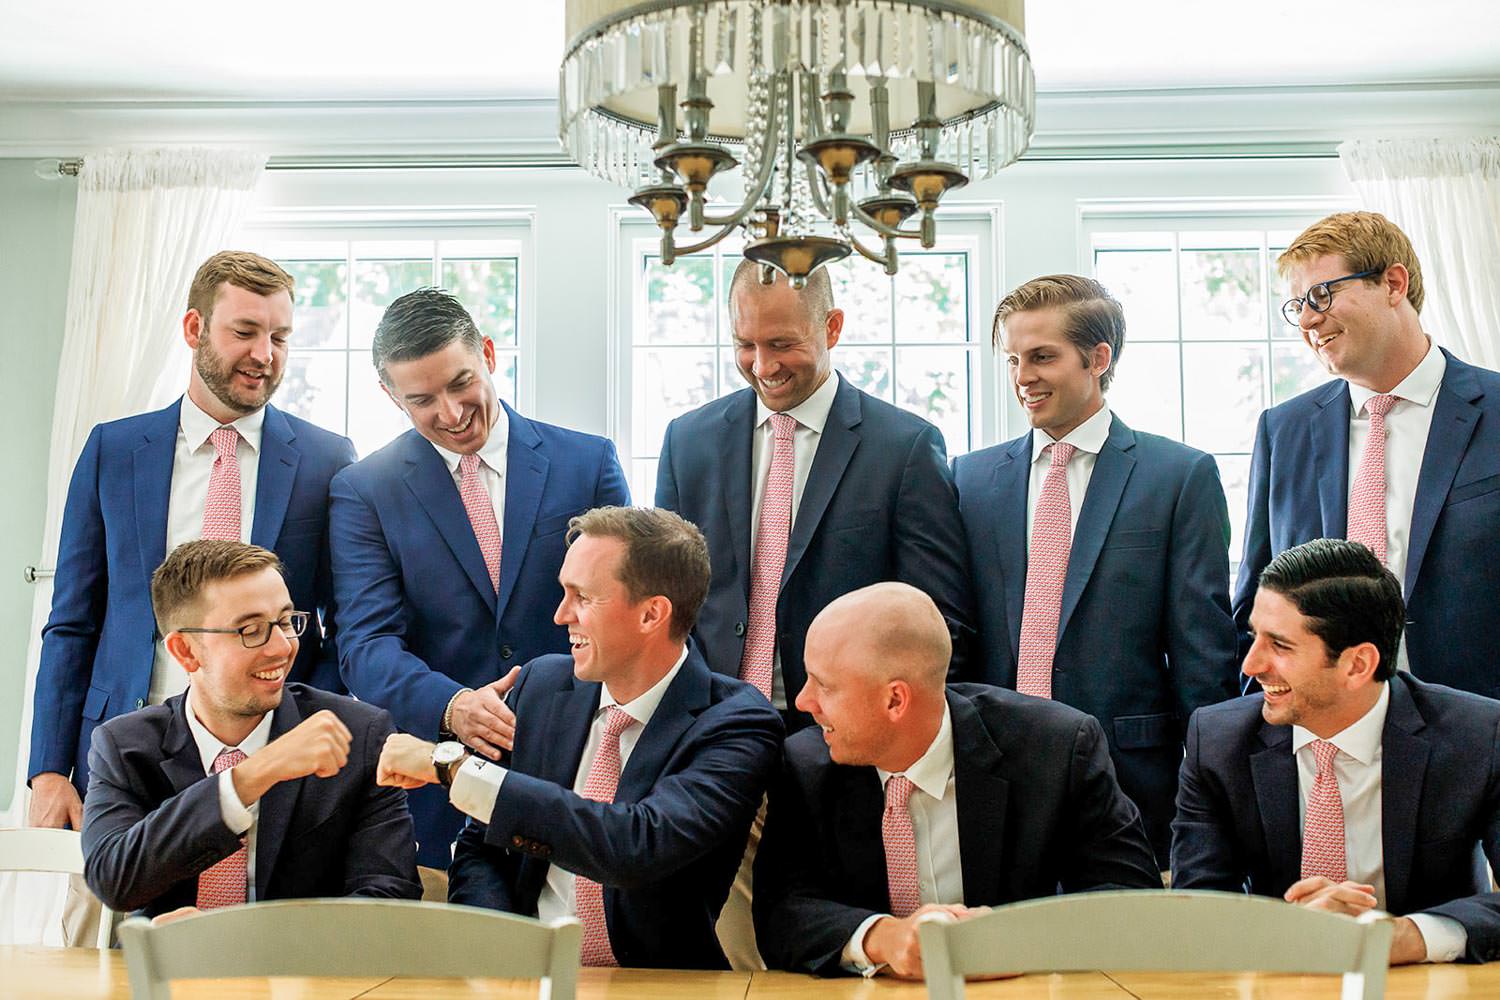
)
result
[(57, 851)]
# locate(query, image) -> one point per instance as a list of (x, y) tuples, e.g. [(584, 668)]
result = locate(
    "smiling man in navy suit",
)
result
[(636, 769), (1100, 553), (141, 487), (447, 543), (1401, 451)]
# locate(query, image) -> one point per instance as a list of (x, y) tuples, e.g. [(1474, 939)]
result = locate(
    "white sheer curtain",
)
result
[(1445, 194), (145, 220)]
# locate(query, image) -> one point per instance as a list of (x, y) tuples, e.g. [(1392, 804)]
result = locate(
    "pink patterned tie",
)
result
[(1323, 830), (1367, 499), (223, 883), (221, 511), (599, 786), (900, 847), (481, 515), (770, 558), (1046, 569)]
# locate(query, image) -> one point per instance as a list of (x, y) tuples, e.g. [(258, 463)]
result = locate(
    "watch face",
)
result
[(447, 753)]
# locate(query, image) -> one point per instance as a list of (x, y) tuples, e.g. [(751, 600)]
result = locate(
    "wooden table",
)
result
[(36, 973)]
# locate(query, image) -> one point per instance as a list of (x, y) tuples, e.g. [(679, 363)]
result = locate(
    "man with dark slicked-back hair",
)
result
[(448, 540), (1345, 784)]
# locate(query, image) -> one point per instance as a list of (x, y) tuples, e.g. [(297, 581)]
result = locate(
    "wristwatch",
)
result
[(447, 758)]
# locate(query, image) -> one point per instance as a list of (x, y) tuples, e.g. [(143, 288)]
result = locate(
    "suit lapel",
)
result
[(277, 805), (429, 480), (1112, 470), (835, 447), (152, 470), (525, 482), (1454, 418), (1011, 486), (180, 760), (570, 713), (736, 473), (982, 797), (273, 479), (1273, 771), (857, 807), (1330, 448), (685, 698), (1403, 767)]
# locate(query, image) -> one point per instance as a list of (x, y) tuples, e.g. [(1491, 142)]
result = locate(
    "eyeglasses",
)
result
[(256, 634), (1319, 297)]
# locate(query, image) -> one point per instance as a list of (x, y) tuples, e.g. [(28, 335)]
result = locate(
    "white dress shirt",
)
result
[(241, 819), (934, 820), (1357, 768), (1406, 427), (476, 785), (811, 415), (491, 467), (192, 467), (1088, 438)]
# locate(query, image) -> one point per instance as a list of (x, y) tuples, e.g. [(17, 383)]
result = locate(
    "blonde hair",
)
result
[(177, 585), (1367, 241), (241, 269), (1091, 316)]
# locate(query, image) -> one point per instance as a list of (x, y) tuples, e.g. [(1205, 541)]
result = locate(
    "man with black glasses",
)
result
[(1401, 451), (207, 799)]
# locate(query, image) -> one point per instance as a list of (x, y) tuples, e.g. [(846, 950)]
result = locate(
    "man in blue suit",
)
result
[(246, 787), (1344, 785), (142, 486), (859, 491), (1401, 451), (636, 770), (1102, 579), (447, 543)]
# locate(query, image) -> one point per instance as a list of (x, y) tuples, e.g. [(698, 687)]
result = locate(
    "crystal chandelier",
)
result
[(946, 94)]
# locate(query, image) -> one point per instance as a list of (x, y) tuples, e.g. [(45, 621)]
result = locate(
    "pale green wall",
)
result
[(36, 238)]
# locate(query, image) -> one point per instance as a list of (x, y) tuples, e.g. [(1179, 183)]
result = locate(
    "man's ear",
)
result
[(182, 651), (1359, 663)]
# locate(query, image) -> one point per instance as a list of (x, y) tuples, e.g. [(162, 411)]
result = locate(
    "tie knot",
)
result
[(898, 789), (1324, 752), (782, 425), (1062, 453), (616, 722), (468, 464), (1380, 405), (228, 758), (225, 440)]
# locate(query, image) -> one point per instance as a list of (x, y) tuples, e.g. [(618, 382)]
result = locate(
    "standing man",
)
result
[(806, 488), (1400, 452), (636, 769), (218, 463), (1344, 785), (1100, 554), (246, 787), (447, 544), (913, 797)]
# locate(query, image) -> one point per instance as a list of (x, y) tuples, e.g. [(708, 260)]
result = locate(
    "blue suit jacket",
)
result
[(100, 640), (667, 848), (878, 505), (1038, 809), (420, 618), (1299, 490), (1238, 829), (152, 823), (1144, 637)]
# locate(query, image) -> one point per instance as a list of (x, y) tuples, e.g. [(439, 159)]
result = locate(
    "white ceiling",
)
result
[(295, 50)]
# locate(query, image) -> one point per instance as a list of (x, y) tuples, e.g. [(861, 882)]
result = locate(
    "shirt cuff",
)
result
[(476, 786), (1446, 938), (236, 815), (854, 958)]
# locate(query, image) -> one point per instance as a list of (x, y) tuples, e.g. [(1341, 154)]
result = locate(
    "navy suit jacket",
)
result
[(1038, 810), (1238, 828), (420, 617), (152, 823), (667, 848), (878, 505), (1299, 490), (1144, 637), (100, 641)]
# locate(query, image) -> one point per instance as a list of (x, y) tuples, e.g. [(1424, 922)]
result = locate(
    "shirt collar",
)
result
[(209, 745), (1418, 387), (493, 452), (1360, 739), (643, 706), (197, 425), (933, 769), (1088, 436), (812, 412)]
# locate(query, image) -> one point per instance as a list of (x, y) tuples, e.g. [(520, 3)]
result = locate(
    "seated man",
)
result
[(160, 835), (1345, 785), (636, 770), (989, 797)]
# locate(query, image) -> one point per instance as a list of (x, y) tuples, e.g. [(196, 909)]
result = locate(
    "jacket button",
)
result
[(739, 628), (140, 703), (518, 841), (506, 652)]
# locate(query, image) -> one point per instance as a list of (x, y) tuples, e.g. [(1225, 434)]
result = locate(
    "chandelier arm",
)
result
[(864, 252), (756, 191), (815, 188), (881, 227), (705, 244)]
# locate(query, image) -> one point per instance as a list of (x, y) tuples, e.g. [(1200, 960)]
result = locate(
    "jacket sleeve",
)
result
[(1257, 551), (1203, 837), (380, 858), (613, 490), (328, 654), (1479, 914), (1108, 846)]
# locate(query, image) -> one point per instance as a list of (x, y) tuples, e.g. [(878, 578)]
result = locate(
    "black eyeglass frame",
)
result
[(295, 620), (1291, 309)]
